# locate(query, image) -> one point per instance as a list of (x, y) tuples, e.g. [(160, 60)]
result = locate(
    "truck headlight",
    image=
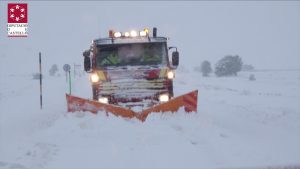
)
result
[(94, 78), (171, 75), (103, 100), (163, 98)]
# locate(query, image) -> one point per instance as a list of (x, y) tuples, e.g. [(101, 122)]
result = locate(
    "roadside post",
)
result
[(40, 68), (67, 69)]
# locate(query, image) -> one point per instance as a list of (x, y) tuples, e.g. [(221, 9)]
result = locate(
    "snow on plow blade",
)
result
[(188, 101)]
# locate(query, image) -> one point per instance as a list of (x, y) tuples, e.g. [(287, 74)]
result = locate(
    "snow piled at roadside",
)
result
[(239, 124)]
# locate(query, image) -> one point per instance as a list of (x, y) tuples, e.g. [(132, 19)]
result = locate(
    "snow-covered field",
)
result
[(239, 124)]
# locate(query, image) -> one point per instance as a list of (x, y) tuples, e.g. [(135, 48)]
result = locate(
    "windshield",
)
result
[(131, 54)]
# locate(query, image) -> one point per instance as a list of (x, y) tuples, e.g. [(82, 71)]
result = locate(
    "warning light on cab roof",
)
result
[(132, 33)]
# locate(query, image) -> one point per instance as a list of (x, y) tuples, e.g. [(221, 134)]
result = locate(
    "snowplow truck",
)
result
[(132, 75)]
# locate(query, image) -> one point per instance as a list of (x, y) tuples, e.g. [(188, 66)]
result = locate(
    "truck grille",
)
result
[(133, 88)]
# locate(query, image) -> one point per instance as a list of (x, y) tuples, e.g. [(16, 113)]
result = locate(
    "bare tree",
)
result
[(206, 68), (228, 66), (53, 70)]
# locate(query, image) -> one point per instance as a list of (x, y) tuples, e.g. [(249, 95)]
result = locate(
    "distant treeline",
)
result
[(271, 70)]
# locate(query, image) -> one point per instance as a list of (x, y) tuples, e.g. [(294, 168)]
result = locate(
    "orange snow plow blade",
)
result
[(188, 101), (80, 104)]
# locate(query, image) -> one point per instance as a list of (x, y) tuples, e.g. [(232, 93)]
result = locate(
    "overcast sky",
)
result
[(265, 34)]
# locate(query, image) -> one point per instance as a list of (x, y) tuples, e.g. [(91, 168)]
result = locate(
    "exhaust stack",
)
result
[(154, 32)]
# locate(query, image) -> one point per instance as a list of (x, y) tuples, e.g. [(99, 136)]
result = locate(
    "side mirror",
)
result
[(175, 58), (87, 60), (86, 53), (87, 64)]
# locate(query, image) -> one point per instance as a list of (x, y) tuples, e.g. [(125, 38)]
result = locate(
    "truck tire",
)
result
[(95, 93), (170, 89)]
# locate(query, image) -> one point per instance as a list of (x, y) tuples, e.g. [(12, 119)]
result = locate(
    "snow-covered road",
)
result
[(240, 123)]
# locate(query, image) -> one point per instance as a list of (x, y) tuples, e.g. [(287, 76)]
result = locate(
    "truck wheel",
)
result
[(95, 93), (170, 88)]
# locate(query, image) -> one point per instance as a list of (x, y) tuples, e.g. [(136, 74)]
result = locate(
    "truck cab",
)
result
[(131, 68)]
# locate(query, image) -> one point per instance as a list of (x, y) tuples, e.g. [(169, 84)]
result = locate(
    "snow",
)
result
[(239, 124)]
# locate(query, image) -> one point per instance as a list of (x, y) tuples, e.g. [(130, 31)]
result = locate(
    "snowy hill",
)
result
[(239, 124)]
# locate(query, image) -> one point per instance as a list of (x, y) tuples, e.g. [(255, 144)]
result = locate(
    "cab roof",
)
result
[(123, 40)]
